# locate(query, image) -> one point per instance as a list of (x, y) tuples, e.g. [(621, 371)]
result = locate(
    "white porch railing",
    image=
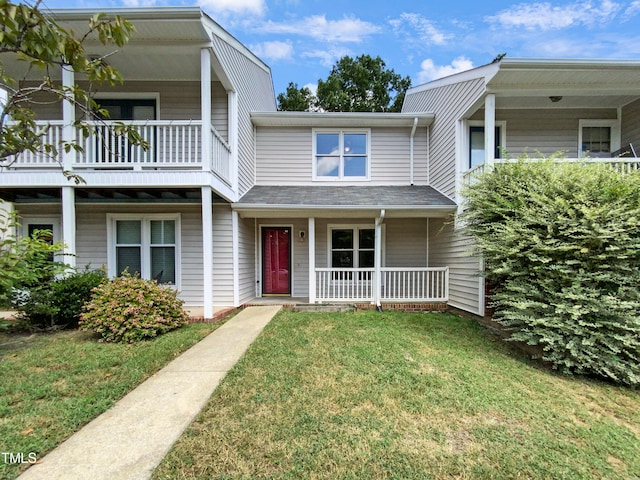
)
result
[(399, 284), (172, 144), (622, 164)]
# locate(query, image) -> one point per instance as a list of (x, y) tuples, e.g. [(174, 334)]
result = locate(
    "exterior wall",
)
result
[(448, 247), (91, 238), (290, 150), (544, 130), (247, 248), (255, 93), (449, 103), (631, 125), (222, 256)]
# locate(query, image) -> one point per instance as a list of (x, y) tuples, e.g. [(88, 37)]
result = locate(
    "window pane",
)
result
[(128, 232), (342, 239), (163, 264), (366, 259), (128, 258), (355, 166), (355, 144), (163, 232), (342, 259), (327, 144), (367, 238), (327, 166), (596, 140)]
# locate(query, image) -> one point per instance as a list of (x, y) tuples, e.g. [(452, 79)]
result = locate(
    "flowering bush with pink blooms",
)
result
[(128, 309)]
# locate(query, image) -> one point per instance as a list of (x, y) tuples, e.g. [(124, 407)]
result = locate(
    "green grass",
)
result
[(370, 395), (52, 384)]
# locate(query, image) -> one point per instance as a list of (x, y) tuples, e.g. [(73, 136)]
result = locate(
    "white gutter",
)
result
[(413, 132)]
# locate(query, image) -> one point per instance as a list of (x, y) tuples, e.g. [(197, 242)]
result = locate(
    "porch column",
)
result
[(235, 245), (378, 260), (68, 116), (489, 129), (311, 240), (205, 99), (69, 226), (207, 251)]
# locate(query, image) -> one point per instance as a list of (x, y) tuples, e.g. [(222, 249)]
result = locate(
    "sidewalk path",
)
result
[(129, 440)]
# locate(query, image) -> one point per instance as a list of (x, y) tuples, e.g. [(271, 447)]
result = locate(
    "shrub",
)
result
[(59, 304), (128, 309), (561, 245)]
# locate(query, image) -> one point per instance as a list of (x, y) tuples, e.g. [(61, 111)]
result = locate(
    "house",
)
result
[(235, 201)]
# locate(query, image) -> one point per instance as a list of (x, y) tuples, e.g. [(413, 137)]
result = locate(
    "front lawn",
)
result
[(52, 384), (388, 395)]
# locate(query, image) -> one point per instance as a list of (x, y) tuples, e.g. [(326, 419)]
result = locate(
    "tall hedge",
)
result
[(561, 245)]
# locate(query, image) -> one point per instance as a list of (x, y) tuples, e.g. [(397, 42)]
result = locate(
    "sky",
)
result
[(423, 39)]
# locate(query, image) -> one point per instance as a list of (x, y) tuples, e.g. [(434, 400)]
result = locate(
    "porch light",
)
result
[(555, 99)]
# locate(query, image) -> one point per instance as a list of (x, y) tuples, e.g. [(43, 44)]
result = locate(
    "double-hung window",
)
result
[(352, 247), (146, 245), (598, 138), (341, 155)]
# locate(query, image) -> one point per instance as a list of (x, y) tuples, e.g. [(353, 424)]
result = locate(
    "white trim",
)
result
[(207, 251), (69, 226), (145, 259), (311, 239), (341, 133), (612, 123)]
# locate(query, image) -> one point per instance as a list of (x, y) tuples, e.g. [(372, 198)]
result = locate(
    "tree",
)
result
[(296, 99), (35, 39), (363, 84)]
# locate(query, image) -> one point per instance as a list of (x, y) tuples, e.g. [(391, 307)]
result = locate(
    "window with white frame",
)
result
[(352, 247), (148, 245), (341, 154), (476, 142), (598, 138)]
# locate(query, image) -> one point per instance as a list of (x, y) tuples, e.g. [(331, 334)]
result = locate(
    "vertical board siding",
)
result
[(449, 247), (631, 125), (247, 260), (255, 93), (222, 256), (449, 103), (284, 156)]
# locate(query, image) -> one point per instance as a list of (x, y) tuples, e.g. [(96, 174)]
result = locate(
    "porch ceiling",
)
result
[(344, 201)]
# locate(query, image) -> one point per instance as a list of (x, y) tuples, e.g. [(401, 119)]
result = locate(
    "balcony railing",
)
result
[(172, 145), (622, 164), (398, 284)]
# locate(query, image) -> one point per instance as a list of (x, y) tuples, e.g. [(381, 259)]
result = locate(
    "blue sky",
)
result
[(302, 39)]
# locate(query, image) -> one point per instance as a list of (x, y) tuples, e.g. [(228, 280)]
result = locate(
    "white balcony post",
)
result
[(68, 116), (69, 226), (207, 251), (489, 129), (205, 94), (311, 239)]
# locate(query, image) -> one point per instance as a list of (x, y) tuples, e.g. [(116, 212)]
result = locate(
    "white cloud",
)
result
[(218, 7), (327, 57), (313, 88), (632, 9), (545, 16), (273, 50), (430, 71), (346, 30), (422, 29), (139, 3)]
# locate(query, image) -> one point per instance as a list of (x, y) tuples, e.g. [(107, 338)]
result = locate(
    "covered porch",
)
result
[(356, 244)]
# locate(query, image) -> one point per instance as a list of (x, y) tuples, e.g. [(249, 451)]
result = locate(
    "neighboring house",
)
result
[(235, 201)]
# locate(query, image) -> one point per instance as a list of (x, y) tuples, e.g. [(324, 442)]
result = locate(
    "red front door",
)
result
[(276, 261)]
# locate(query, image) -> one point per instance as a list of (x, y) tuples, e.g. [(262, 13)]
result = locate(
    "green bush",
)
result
[(561, 245), (59, 304), (128, 309)]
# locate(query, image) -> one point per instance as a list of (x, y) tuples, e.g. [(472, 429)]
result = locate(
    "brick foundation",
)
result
[(406, 307)]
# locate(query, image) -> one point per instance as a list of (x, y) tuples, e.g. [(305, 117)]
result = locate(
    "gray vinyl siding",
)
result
[(405, 242), (222, 256), (246, 259), (220, 109), (284, 156), (255, 93), (448, 247), (631, 125), (449, 103), (545, 130)]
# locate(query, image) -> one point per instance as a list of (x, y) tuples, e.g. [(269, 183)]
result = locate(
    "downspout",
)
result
[(413, 132), (378, 259)]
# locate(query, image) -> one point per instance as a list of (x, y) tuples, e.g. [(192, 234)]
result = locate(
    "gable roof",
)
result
[(345, 201)]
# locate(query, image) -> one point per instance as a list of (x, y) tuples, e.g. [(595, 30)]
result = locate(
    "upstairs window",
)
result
[(341, 155), (476, 145)]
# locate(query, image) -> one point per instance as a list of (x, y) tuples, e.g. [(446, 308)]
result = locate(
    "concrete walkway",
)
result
[(128, 441)]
